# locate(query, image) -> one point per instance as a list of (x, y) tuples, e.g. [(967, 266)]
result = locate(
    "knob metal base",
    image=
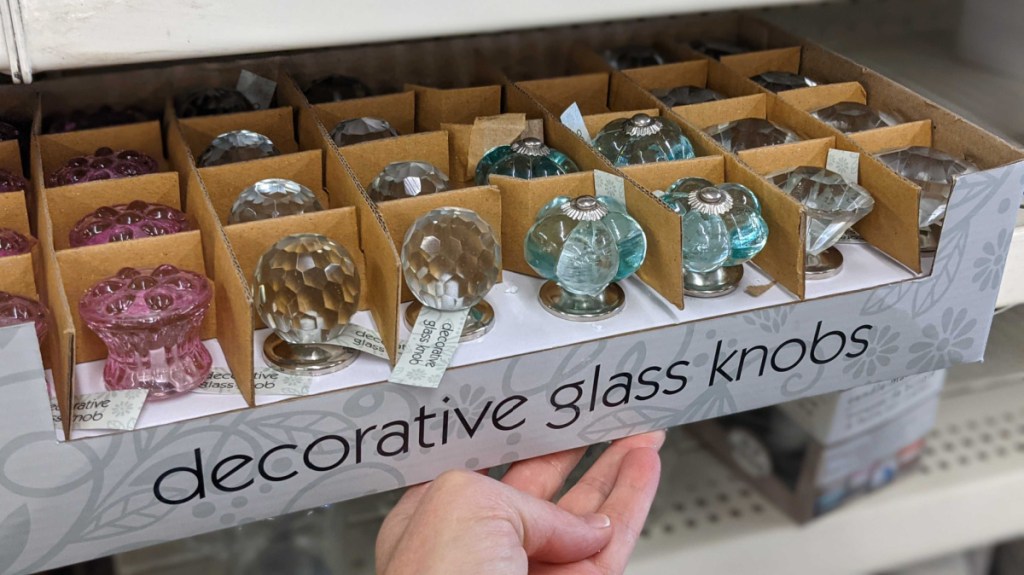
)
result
[(824, 265), (576, 307), (479, 322), (929, 238), (307, 359), (717, 283)]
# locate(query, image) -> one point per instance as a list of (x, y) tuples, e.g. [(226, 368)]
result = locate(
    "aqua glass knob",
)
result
[(642, 139), (273, 198), (581, 246), (525, 158)]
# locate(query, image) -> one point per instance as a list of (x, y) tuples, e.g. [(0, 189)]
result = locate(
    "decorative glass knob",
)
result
[(149, 319), (642, 139), (686, 95), (99, 118), (935, 172), (8, 132), (13, 243), (15, 310), (582, 246), (749, 133), (213, 101), (850, 117), (273, 198), (407, 180), (103, 164), (11, 182), (833, 206), (237, 146), (716, 49), (307, 288), (357, 130), (525, 158), (336, 87), (777, 81), (627, 57), (722, 229), (124, 222), (451, 259)]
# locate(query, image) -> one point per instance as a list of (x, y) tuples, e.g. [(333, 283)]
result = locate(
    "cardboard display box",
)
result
[(518, 392)]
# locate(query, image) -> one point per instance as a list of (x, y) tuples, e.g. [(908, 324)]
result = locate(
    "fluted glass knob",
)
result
[(307, 288), (851, 117), (525, 158), (15, 309), (777, 81), (642, 139), (13, 243), (123, 222), (749, 133), (237, 146), (358, 130), (103, 164), (407, 180), (273, 198)]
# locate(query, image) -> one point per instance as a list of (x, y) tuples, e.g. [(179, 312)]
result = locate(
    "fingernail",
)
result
[(598, 520)]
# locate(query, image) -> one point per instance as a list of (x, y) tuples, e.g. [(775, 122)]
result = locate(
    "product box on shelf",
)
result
[(535, 383), (812, 456)]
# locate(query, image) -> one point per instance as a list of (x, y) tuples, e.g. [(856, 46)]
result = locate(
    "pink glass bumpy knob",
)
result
[(15, 310), (103, 164), (124, 222), (14, 243), (149, 319)]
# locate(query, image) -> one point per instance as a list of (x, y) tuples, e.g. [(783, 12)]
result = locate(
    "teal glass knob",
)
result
[(582, 246), (722, 229), (525, 158), (642, 139)]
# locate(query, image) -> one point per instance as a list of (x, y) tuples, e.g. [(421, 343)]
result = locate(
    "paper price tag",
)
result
[(573, 119), (846, 164), (361, 338), (267, 381), (105, 410), (257, 89), (610, 186), (430, 348)]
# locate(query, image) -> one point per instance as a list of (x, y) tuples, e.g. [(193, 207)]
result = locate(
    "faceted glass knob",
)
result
[(213, 101), (407, 180), (851, 117), (935, 171), (15, 310), (716, 49), (777, 81), (273, 198), (90, 119), (525, 158), (335, 88), (749, 133), (8, 132), (13, 243), (582, 245), (123, 222), (149, 319), (833, 205), (627, 57), (237, 146), (103, 164), (357, 130), (11, 182), (686, 95), (642, 139)]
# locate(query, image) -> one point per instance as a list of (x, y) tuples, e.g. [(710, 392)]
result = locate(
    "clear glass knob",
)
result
[(851, 117), (358, 130), (237, 146), (273, 198), (777, 81), (750, 133), (407, 180)]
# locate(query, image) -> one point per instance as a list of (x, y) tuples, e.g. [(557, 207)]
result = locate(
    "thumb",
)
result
[(553, 535)]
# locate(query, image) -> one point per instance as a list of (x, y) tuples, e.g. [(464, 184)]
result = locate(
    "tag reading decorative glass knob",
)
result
[(833, 206), (357, 130), (15, 310), (686, 95), (149, 319), (125, 222), (716, 49), (525, 158), (13, 243), (407, 180), (627, 57), (582, 246), (336, 87), (307, 288), (722, 229), (851, 117), (451, 258), (777, 81), (99, 118), (103, 164), (273, 198), (935, 172), (749, 133), (237, 146), (213, 101), (642, 139), (10, 182)]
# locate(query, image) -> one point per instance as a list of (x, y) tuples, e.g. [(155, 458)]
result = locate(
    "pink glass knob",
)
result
[(11, 182), (125, 222), (13, 243), (149, 319), (103, 164), (15, 310)]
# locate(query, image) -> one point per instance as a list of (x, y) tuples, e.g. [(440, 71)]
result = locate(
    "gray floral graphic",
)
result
[(771, 320), (882, 346), (988, 268), (943, 343), (471, 402)]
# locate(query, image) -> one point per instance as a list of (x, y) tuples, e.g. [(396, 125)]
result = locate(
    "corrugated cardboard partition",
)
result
[(894, 137), (10, 157), (398, 109), (384, 273), (14, 212), (759, 62), (57, 149), (589, 91), (435, 106), (235, 315), (818, 97), (62, 340), (275, 123)]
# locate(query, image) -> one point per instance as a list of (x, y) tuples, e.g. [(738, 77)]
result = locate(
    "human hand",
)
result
[(465, 523)]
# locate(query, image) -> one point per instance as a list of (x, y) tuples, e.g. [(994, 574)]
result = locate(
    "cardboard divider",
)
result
[(57, 149), (384, 273), (436, 106), (818, 97), (10, 157), (67, 205), (14, 213), (81, 268), (704, 73), (467, 143), (773, 60), (588, 91), (275, 123), (660, 175), (235, 316), (398, 109), (18, 276), (596, 122), (895, 137)]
